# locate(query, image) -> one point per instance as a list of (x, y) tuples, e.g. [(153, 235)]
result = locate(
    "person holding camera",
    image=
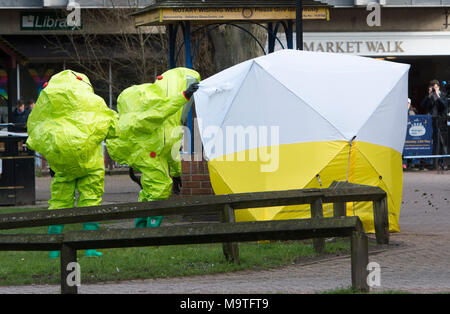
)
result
[(436, 104)]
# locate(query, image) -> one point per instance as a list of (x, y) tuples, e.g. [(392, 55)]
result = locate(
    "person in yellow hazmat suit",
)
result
[(148, 115), (172, 82), (67, 126)]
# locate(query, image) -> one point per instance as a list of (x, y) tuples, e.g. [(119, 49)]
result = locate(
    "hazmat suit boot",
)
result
[(148, 222), (55, 229), (91, 226), (154, 221), (62, 196), (140, 223), (156, 186)]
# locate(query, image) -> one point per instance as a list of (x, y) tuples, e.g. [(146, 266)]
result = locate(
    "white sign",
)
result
[(374, 277), (376, 44), (74, 276), (27, 21)]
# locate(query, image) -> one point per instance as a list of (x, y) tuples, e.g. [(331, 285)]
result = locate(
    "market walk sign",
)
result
[(358, 46), (375, 44), (47, 21)]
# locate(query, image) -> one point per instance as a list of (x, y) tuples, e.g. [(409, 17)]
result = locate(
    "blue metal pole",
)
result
[(188, 62), (270, 37), (187, 44), (299, 24), (172, 41), (289, 35)]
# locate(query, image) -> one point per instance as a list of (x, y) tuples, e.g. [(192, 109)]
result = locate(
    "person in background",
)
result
[(435, 102), (436, 105), (30, 106), (20, 115), (411, 110), (19, 118)]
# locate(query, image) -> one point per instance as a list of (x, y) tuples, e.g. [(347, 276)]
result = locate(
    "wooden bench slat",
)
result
[(295, 229), (102, 213), (353, 195), (30, 242), (195, 205), (274, 198)]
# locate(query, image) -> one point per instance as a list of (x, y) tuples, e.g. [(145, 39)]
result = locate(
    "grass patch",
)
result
[(23, 268)]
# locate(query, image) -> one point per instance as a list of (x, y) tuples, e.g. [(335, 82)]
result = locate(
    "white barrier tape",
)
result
[(426, 156), (3, 133)]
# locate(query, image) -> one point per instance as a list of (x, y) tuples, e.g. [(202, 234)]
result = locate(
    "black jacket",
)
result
[(436, 106), (20, 117)]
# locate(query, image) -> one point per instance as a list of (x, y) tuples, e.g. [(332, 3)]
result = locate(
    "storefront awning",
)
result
[(56, 48), (10, 53)]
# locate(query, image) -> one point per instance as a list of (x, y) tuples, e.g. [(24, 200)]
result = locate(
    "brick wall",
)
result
[(195, 178)]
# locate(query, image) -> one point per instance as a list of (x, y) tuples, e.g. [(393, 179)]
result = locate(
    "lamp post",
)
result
[(299, 24)]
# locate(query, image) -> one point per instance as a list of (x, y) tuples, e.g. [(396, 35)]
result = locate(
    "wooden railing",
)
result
[(227, 232)]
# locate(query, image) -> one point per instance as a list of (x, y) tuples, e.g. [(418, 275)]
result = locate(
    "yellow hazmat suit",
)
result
[(148, 114), (172, 82), (67, 126)]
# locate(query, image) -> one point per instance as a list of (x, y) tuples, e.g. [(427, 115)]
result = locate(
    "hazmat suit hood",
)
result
[(68, 124), (174, 80)]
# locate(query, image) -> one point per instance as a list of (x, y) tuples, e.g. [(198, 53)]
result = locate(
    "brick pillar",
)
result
[(195, 177)]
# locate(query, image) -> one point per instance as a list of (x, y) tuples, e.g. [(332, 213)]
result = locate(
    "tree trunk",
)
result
[(232, 45)]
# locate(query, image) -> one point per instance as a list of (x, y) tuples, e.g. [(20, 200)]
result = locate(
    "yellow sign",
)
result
[(227, 14)]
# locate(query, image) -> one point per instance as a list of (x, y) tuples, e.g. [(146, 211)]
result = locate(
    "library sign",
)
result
[(45, 21), (227, 14)]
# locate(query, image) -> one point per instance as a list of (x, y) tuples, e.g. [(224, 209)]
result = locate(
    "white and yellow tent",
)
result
[(294, 119)]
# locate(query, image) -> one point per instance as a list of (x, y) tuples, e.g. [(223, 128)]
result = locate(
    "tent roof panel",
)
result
[(310, 96), (345, 89), (263, 103), (388, 132)]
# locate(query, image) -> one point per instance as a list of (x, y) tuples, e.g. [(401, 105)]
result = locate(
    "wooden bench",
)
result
[(228, 232), (339, 193), (296, 229)]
